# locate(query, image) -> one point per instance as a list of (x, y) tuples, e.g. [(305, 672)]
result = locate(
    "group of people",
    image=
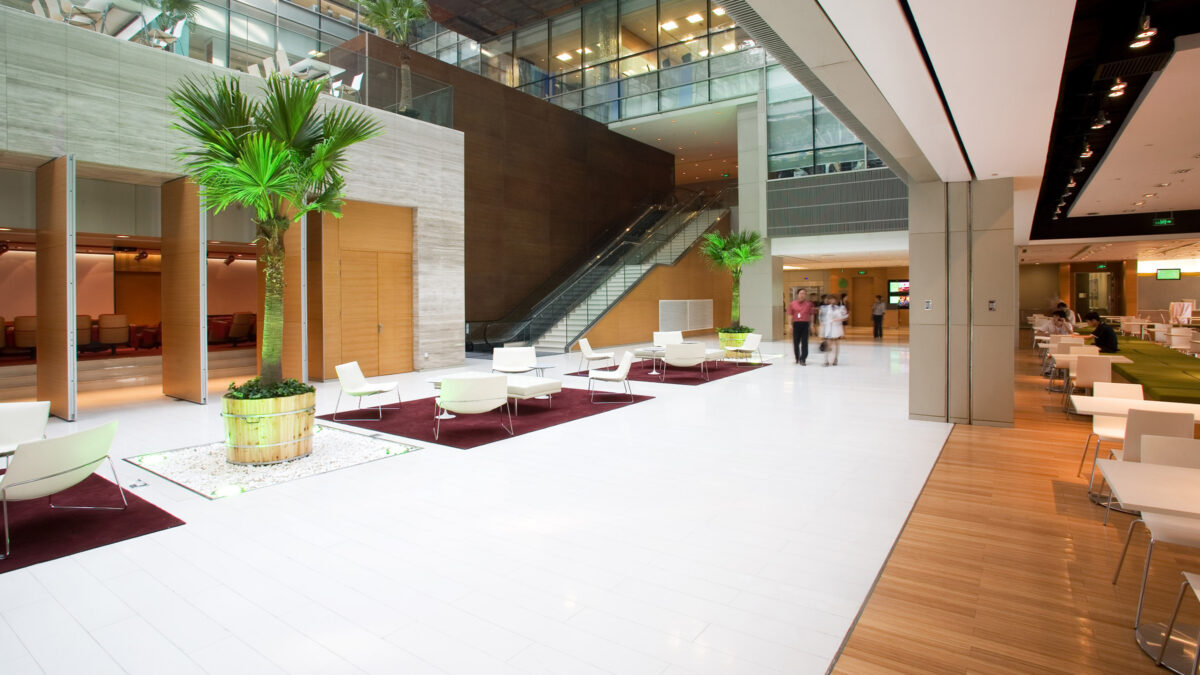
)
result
[(1062, 322), (831, 316)]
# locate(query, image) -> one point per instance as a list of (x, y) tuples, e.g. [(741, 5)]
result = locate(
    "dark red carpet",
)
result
[(414, 419), (689, 376), (40, 533)]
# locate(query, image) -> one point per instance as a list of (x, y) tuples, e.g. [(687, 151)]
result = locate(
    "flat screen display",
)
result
[(1168, 275), (898, 287)]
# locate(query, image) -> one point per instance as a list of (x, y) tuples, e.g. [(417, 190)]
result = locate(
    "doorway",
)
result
[(376, 299), (862, 296), (1094, 292)]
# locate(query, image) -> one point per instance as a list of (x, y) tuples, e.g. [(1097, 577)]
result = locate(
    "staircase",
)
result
[(576, 306)]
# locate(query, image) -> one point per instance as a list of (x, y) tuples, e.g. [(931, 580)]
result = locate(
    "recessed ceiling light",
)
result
[(670, 25), (1150, 194), (1139, 203), (1181, 170), (564, 57), (694, 18), (5, 229), (719, 11), (122, 236)]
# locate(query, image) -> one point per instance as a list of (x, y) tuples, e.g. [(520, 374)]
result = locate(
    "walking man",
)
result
[(801, 311)]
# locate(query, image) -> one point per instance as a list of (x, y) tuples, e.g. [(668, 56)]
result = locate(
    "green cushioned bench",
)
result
[(1165, 374)]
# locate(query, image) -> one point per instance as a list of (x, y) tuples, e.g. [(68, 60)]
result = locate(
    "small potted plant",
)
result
[(733, 253), (281, 158)]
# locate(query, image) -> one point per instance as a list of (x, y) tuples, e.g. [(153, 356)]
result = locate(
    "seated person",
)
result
[(1062, 307), (1103, 335), (1059, 325)]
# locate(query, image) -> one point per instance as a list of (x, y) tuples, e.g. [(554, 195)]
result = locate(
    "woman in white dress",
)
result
[(833, 316)]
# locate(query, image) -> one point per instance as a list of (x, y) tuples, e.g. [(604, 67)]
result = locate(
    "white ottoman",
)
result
[(522, 387)]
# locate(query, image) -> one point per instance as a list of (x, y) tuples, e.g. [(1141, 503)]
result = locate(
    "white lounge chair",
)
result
[(352, 382), (685, 355), (586, 354), (22, 422), (619, 375), (472, 396), (45, 468), (750, 346), (514, 360)]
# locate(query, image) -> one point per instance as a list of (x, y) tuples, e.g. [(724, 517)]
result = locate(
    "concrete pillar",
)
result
[(762, 282), (963, 314)]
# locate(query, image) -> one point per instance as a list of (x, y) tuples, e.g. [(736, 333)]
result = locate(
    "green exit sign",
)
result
[(1101, 266), (862, 271), (1163, 221)]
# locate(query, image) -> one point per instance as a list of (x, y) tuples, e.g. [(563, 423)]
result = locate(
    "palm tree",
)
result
[(278, 156), (395, 19), (733, 253)]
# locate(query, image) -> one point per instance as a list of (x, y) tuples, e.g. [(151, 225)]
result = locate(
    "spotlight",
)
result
[(1117, 89), (1101, 121), (230, 258), (141, 255), (3, 247), (1078, 167), (1144, 34), (1071, 183), (1087, 151)]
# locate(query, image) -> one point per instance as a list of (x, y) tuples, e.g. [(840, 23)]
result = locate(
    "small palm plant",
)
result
[(733, 253), (278, 156), (395, 19)]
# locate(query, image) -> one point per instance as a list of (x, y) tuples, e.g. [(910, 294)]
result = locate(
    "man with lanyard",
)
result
[(801, 311)]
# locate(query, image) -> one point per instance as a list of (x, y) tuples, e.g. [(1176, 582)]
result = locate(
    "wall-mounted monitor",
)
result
[(898, 293), (1167, 274)]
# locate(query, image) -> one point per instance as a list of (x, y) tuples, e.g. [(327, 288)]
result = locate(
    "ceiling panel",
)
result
[(1098, 251), (879, 35), (1001, 91)]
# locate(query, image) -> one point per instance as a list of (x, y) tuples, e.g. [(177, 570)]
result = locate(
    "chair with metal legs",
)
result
[(1138, 424), (685, 355), (21, 422), (586, 354), (1190, 580), (621, 374), (1181, 530), (45, 468), (1108, 428), (352, 382), (473, 396)]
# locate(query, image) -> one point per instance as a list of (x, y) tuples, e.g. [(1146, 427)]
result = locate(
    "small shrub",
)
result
[(255, 389)]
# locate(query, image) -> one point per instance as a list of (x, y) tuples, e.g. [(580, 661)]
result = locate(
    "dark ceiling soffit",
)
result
[(763, 34), (482, 20), (1097, 53), (1123, 225)]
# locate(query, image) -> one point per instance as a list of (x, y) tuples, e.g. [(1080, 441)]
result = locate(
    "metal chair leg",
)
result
[(1171, 626), (1137, 620), (1085, 449), (509, 428), (1125, 550)]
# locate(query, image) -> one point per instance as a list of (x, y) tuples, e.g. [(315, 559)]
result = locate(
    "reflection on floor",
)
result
[(729, 528), (1005, 565), (19, 359)]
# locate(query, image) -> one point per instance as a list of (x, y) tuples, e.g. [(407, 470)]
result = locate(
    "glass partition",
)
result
[(497, 60), (600, 34), (531, 54), (639, 26)]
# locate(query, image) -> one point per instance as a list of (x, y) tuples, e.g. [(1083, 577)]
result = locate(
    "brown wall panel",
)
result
[(635, 318), (542, 182), (55, 257), (1129, 273), (184, 338), (316, 304), (138, 295), (293, 296), (365, 296)]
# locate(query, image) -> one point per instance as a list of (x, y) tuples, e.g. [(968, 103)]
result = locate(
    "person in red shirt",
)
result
[(801, 312)]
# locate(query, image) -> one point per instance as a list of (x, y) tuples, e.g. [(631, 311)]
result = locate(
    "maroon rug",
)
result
[(414, 419), (40, 533), (689, 376)]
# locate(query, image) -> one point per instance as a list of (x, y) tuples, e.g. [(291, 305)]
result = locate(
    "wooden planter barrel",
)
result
[(268, 430)]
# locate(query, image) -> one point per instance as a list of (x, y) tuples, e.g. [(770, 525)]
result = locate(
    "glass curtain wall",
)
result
[(250, 34), (803, 137)]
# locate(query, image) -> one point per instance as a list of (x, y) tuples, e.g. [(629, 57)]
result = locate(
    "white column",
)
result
[(762, 282)]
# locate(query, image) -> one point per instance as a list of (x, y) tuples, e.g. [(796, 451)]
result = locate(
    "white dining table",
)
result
[(1068, 360), (1120, 407), (1168, 490)]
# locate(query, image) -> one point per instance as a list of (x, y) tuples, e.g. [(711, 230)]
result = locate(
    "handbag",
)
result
[(824, 345)]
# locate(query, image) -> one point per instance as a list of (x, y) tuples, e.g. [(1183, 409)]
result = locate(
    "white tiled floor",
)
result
[(734, 527)]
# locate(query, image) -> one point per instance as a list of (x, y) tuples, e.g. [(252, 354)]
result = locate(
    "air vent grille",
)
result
[(1139, 65)]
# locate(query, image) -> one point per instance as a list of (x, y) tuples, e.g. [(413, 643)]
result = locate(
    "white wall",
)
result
[(71, 91)]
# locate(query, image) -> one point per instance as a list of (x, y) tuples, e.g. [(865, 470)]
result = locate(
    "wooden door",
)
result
[(862, 296), (360, 326), (395, 313)]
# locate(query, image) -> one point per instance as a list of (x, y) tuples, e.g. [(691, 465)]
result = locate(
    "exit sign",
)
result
[(862, 271), (1101, 266), (1163, 221)]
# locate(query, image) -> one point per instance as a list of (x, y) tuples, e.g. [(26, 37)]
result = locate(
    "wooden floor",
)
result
[(1005, 566)]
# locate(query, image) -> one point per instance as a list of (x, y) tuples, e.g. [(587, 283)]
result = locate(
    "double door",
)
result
[(376, 316)]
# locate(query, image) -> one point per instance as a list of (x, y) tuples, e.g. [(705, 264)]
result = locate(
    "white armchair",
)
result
[(22, 422), (685, 355), (514, 359), (661, 339), (620, 375), (472, 396), (352, 382), (45, 468), (750, 346), (586, 354)]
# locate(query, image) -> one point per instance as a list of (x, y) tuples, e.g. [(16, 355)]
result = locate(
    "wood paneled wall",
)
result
[(184, 269), (363, 310), (541, 182), (1129, 306), (635, 317), (55, 286)]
